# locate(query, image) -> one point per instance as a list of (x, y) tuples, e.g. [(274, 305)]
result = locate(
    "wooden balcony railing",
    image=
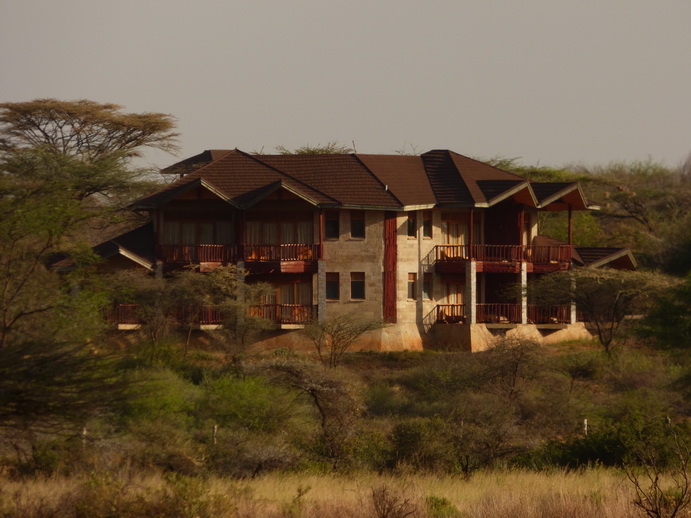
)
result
[(284, 252), (186, 254), (498, 313), (504, 253), (450, 313), (549, 314), (285, 313), (129, 314)]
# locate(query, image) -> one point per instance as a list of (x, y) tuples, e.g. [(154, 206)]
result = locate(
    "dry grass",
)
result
[(508, 494)]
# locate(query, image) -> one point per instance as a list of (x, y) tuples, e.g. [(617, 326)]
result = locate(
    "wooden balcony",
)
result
[(450, 313), (195, 254), (285, 314), (502, 258), (549, 314), (501, 313), (127, 316), (498, 313), (286, 258)]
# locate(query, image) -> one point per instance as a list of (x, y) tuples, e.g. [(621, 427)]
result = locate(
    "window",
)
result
[(176, 232), (412, 286), (412, 225), (357, 223), (427, 286), (427, 224), (332, 286), (357, 285), (331, 227)]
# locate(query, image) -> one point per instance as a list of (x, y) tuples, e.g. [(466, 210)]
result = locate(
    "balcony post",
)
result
[(471, 292), (524, 293), (574, 313), (240, 276), (471, 233), (321, 291)]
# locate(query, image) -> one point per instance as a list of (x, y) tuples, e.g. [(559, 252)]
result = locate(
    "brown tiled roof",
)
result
[(404, 176), (438, 177), (195, 162), (341, 176)]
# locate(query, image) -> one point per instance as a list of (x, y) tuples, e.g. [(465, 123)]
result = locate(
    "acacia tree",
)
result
[(86, 129), (605, 297), (334, 396), (57, 162), (333, 337)]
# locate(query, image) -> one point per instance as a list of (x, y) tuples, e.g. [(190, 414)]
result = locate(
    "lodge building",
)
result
[(429, 244)]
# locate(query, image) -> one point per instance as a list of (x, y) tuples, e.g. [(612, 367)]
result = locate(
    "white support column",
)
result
[(321, 291), (471, 292), (524, 294), (240, 276), (574, 315)]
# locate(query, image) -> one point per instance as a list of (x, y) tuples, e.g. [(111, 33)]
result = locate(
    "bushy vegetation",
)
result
[(101, 417)]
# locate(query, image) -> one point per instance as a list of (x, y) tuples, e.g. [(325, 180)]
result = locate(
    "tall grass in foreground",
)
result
[(508, 494)]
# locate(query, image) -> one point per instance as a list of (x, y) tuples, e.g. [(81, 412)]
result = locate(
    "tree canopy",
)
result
[(83, 128)]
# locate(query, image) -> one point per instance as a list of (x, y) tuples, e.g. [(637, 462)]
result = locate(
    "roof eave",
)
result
[(567, 190), (511, 192), (280, 184)]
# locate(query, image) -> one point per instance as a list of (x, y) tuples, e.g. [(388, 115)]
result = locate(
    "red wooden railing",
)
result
[(285, 313), (123, 314), (231, 253), (549, 314), (498, 313), (284, 252), (198, 253), (504, 253), (209, 315), (450, 313)]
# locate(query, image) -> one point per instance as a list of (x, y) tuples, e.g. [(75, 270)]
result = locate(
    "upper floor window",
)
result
[(332, 286), (412, 224), (357, 224), (197, 232), (332, 229), (357, 285), (427, 224)]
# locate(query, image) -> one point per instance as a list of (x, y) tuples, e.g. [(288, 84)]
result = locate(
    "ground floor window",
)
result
[(357, 285)]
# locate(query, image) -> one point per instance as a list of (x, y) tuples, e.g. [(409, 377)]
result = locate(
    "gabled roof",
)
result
[(618, 258), (559, 195), (136, 245), (438, 178)]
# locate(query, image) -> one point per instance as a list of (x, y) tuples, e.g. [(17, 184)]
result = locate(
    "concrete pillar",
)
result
[(321, 291), (240, 279), (471, 292), (574, 316), (524, 293)]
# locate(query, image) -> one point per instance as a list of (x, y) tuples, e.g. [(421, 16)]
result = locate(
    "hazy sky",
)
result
[(548, 81)]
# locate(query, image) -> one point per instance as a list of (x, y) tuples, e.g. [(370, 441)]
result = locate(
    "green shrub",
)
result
[(249, 402), (163, 394)]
